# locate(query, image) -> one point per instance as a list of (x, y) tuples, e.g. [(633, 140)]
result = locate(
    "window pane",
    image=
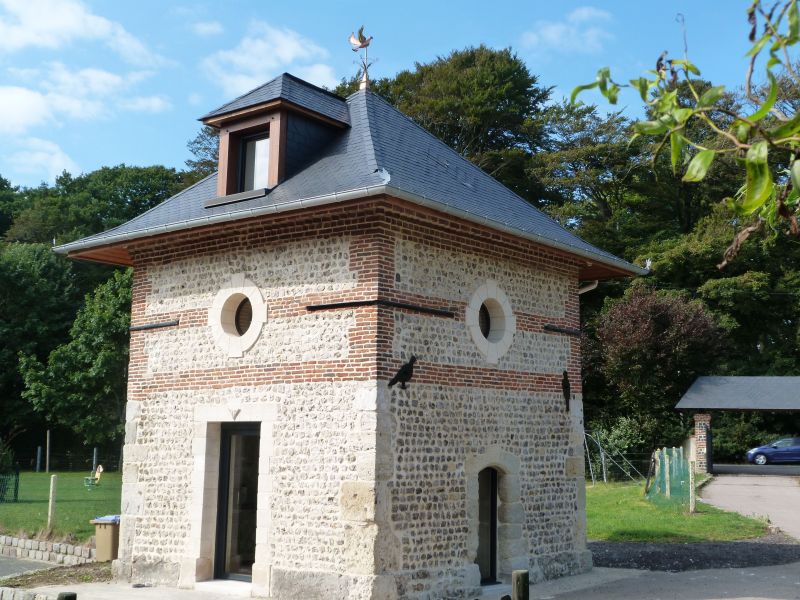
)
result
[(256, 164)]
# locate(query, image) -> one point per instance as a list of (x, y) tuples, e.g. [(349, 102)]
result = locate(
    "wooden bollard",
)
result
[(519, 585), (51, 505), (67, 596)]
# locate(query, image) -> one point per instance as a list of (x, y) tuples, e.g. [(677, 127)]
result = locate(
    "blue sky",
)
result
[(87, 83)]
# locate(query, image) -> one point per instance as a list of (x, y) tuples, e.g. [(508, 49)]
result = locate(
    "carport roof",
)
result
[(742, 393)]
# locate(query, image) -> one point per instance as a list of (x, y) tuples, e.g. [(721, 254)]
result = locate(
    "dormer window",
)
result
[(254, 167)]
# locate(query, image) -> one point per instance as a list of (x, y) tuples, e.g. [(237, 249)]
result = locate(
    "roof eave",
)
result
[(622, 267)]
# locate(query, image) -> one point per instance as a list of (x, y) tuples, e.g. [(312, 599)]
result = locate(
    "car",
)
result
[(783, 450)]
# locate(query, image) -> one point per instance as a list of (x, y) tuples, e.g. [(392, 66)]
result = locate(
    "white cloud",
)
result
[(149, 104), (195, 99), (23, 108), (207, 28), (265, 52), (581, 32), (55, 91), (34, 156), (55, 23)]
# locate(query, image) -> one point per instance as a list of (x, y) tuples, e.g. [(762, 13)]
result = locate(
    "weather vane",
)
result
[(359, 42)]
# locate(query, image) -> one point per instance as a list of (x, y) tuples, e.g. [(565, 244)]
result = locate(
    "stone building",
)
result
[(272, 304)]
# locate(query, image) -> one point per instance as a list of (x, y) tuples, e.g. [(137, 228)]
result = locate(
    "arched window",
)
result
[(487, 525)]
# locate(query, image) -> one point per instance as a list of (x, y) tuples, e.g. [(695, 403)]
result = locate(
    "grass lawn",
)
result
[(618, 512), (75, 505)]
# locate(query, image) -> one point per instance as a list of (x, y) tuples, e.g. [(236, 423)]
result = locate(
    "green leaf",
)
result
[(786, 129), (759, 45), (773, 60), (579, 89), (794, 23), (794, 172), (677, 143), (650, 127), (741, 130), (772, 96), (698, 167), (643, 86), (612, 93), (687, 65), (681, 115), (759, 179), (710, 96)]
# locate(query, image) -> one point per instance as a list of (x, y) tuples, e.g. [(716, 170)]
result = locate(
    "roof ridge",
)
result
[(369, 129), (469, 163), (240, 96)]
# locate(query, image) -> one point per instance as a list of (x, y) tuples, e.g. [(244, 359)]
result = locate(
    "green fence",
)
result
[(670, 478), (9, 487)]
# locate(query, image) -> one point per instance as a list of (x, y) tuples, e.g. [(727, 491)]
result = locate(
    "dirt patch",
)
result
[(89, 573), (772, 549)]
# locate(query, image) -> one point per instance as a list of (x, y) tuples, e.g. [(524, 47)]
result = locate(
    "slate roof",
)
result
[(743, 393), (383, 152), (288, 87)]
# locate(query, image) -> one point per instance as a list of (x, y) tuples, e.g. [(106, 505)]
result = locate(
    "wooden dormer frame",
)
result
[(269, 116), (229, 145)]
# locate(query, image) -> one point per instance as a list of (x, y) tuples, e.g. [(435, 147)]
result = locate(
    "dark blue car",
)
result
[(781, 451)]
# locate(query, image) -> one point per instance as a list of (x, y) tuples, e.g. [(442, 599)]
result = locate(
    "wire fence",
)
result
[(83, 460), (605, 464), (670, 478)]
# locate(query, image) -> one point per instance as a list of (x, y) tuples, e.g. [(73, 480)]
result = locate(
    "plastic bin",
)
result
[(106, 538)]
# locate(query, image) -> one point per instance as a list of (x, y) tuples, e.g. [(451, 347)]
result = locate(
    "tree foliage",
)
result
[(764, 141), (82, 384), (483, 103), (205, 152), (649, 348), (38, 299)]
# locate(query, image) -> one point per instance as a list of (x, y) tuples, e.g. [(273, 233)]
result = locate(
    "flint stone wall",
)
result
[(364, 492)]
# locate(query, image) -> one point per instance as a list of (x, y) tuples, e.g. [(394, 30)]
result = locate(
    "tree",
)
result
[(79, 206), (205, 149), (765, 141), (82, 385), (38, 299), (649, 348)]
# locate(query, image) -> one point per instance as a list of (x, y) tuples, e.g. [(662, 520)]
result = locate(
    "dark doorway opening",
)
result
[(237, 502), (487, 525)]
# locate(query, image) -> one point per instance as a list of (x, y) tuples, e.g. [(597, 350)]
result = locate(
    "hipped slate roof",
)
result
[(743, 393), (382, 152), (290, 88)]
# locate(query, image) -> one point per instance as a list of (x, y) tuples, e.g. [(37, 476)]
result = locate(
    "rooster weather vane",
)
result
[(361, 42)]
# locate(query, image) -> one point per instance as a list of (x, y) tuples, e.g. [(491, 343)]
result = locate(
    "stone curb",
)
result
[(52, 552), (7, 593)]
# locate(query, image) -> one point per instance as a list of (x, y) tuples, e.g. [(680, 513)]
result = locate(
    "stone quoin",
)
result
[(337, 240)]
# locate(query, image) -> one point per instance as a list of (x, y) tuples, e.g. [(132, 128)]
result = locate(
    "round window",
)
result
[(237, 315), (244, 316), (490, 321), (484, 320)]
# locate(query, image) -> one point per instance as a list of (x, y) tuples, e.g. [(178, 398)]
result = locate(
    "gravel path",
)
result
[(772, 549)]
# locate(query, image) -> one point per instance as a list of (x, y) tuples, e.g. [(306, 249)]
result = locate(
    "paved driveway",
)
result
[(777, 498), (757, 470), (759, 583), (16, 566)]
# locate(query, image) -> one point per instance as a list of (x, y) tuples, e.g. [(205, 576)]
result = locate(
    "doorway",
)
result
[(487, 525), (237, 503)]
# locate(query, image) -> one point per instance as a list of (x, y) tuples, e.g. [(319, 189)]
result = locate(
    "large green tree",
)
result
[(79, 206), (82, 383), (38, 300)]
